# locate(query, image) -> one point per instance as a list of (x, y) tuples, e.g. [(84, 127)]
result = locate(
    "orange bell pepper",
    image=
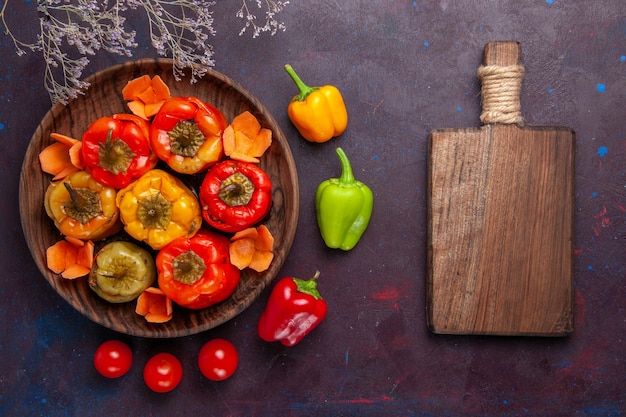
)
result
[(319, 113)]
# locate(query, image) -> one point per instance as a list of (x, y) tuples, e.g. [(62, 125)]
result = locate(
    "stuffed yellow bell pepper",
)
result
[(158, 208), (319, 113), (82, 208)]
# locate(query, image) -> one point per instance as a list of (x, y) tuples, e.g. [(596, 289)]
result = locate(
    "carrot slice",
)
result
[(245, 140), (143, 302), (54, 158), (161, 90), (265, 240), (70, 169), (250, 232), (252, 248), (241, 252), (243, 157), (135, 87), (228, 140), (261, 143), (75, 241), (64, 139), (76, 155), (145, 96), (137, 108), (75, 271), (71, 258), (154, 305), (150, 109), (247, 124), (261, 261), (55, 256), (62, 157), (85, 254)]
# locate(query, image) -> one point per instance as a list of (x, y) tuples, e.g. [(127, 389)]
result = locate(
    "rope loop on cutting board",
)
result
[(501, 86)]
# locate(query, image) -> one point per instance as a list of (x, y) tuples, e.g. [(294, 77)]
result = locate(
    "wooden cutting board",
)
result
[(501, 209)]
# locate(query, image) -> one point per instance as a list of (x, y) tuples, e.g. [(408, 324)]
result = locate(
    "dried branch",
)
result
[(71, 30), (272, 7)]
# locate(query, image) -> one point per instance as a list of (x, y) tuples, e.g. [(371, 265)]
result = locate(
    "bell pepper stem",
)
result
[(304, 89), (74, 196), (347, 176), (308, 286)]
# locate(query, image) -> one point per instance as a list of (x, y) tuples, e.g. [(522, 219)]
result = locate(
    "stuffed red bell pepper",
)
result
[(116, 150), (196, 272), (235, 195), (186, 133), (294, 308)]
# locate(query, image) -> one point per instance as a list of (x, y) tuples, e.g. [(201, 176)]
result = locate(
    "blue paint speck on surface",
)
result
[(601, 88), (549, 1), (590, 267), (602, 151), (414, 4), (550, 90), (459, 109), (607, 410), (565, 364), (594, 194), (622, 58), (426, 44)]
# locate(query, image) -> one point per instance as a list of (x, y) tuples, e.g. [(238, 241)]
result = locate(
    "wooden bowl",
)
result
[(104, 98)]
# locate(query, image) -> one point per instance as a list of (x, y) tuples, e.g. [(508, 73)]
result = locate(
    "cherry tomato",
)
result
[(218, 359), (113, 359), (163, 372)]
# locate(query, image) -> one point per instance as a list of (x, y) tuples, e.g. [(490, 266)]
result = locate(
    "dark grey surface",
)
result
[(404, 68)]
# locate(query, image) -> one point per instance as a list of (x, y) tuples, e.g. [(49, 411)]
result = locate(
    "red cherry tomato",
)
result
[(113, 359), (163, 372), (218, 359)]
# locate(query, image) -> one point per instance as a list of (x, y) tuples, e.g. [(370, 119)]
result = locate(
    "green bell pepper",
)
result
[(344, 207)]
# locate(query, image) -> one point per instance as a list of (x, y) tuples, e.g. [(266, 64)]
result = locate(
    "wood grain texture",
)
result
[(500, 228), (104, 98)]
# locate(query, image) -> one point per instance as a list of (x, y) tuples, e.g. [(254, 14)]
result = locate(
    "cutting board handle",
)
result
[(501, 77)]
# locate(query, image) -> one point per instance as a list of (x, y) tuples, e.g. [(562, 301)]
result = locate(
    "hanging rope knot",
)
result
[(501, 86)]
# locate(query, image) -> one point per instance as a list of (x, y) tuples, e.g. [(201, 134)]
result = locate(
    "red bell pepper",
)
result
[(294, 308), (186, 133), (116, 150), (235, 195), (196, 272)]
